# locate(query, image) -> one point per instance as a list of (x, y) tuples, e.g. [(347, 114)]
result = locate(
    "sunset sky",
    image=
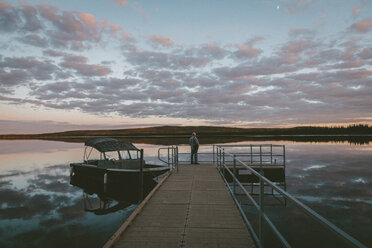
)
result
[(119, 63)]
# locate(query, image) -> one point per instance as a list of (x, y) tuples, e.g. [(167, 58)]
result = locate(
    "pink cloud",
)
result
[(162, 40), (363, 26), (298, 46), (356, 11), (247, 50), (88, 19), (121, 2), (4, 6), (358, 8), (87, 69), (212, 50), (366, 53), (48, 11)]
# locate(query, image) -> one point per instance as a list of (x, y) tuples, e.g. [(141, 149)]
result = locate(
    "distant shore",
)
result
[(356, 133)]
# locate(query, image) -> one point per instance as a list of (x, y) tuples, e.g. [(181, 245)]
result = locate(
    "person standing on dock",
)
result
[(194, 144)]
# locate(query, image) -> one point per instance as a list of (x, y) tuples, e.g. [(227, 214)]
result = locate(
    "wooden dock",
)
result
[(192, 208)]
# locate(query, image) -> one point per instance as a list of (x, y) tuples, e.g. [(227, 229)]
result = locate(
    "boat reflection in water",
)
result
[(101, 198)]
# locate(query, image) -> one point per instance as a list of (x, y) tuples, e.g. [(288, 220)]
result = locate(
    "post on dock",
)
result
[(235, 176), (170, 167), (213, 155), (261, 202), (271, 154), (177, 157), (141, 176), (173, 159), (223, 162), (251, 155)]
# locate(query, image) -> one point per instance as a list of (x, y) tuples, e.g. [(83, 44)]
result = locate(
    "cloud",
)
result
[(293, 7), (8, 17), (32, 22), (161, 40), (78, 63), (302, 33), (247, 51), (292, 51), (356, 9), (34, 40), (23, 69), (304, 76), (13, 77), (151, 59), (45, 126), (121, 2), (363, 26), (44, 24)]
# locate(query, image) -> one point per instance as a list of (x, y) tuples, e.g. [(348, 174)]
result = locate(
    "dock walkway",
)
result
[(192, 208)]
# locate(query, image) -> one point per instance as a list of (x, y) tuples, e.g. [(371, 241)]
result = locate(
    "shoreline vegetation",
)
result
[(166, 135)]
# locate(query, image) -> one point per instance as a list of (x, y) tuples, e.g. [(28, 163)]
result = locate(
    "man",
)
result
[(194, 144)]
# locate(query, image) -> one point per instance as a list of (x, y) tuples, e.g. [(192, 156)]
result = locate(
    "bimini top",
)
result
[(110, 144)]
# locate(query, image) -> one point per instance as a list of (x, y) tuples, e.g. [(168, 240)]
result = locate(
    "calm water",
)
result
[(40, 208)]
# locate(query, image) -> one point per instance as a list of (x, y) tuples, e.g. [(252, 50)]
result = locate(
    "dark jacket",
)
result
[(194, 142)]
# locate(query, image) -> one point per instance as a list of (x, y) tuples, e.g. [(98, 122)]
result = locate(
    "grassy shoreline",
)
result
[(359, 134)]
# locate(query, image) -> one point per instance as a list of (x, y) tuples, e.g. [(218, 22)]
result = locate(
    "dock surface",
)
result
[(192, 208)]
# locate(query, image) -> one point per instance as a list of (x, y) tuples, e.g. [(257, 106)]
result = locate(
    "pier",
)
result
[(203, 205), (191, 208)]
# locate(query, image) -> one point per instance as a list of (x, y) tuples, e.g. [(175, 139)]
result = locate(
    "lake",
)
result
[(40, 208)]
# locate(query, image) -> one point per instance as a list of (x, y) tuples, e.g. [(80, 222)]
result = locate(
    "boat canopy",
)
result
[(110, 144)]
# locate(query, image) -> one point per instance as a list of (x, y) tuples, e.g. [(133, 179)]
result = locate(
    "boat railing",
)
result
[(224, 160), (171, 157)]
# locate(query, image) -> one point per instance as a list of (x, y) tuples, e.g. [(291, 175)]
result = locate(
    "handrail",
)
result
[(172, 155), (210, 156), (221, 153)]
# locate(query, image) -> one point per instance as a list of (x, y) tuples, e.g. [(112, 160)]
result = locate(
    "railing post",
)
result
[(220, 156), (271, 154), (173, 157), (235, 176), (261, 157), (261, 200), (223, 162), (261, 203), (213, 154), (251, 155), (170, 167), (284, 156), (177, 157), (141, 177)]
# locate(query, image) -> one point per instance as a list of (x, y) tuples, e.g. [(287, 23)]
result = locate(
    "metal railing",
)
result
[(203, 155), (171, 158), (222, 165), (269, 154)]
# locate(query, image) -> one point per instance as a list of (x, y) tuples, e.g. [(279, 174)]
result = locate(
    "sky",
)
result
[(67, 65)]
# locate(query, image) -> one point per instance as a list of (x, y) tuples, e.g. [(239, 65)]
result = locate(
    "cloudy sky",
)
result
[(121, 63)]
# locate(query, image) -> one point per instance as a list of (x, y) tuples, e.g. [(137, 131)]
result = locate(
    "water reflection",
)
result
[(40, 208), (100, 198)]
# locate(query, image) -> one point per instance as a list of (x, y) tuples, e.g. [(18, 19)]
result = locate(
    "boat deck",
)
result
[(192, 208)]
